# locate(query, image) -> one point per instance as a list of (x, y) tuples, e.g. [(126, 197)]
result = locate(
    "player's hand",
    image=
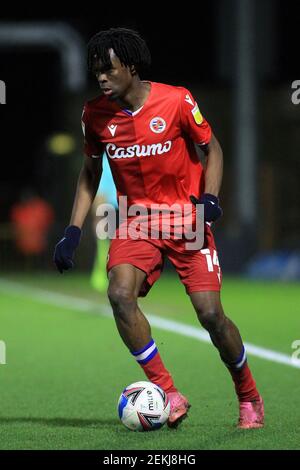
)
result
[(65, 248), (212, 210)]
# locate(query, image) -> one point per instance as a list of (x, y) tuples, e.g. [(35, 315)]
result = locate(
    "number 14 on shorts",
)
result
[(212, 260)]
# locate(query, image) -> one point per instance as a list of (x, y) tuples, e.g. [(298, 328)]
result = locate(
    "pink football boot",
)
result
[(179, 408), (251, 414)]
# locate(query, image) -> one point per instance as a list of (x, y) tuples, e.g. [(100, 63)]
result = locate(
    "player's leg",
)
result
[(200, 273), (226, 338), (125, 282), (223, 332)]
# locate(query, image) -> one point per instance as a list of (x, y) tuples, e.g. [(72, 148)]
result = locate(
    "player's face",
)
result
[(114, 81)]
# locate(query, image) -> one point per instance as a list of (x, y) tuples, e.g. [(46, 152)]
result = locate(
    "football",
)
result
[(143, 406)]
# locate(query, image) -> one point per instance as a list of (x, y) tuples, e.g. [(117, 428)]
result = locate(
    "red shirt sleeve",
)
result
[(192, 121), (91, 147)]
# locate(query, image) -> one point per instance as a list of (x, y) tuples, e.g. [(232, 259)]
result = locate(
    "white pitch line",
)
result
[(76, 303)]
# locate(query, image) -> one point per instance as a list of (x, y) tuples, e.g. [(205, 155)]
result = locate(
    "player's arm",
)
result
[(87, 186), (198, 129), (214, 166), (213, 180)]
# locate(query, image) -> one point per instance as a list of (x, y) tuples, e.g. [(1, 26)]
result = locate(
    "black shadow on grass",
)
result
[(58, 422)]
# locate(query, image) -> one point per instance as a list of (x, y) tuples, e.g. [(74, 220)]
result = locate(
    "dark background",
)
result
[(196, 49)]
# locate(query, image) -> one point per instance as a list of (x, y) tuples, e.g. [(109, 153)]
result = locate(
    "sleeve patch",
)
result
[(197, 115)]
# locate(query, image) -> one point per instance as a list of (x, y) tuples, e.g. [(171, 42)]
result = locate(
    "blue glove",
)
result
[(212, 210), (65, 248)]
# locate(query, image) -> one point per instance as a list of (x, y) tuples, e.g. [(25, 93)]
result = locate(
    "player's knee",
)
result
[(212, 320), (121, 297)]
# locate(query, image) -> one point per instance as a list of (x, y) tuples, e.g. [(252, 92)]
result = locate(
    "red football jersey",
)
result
[(151, 153)]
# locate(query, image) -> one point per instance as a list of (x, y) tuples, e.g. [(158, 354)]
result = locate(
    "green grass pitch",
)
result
[(66, 367)]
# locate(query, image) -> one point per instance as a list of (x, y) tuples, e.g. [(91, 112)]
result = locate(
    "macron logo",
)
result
[(112, 129), (188, 100)]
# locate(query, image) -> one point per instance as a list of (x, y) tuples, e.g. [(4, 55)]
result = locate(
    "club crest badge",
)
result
[(157, 125)]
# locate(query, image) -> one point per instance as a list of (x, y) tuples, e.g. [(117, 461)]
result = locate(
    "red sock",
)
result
[(245, 385), (149, 359), (158, 374)]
